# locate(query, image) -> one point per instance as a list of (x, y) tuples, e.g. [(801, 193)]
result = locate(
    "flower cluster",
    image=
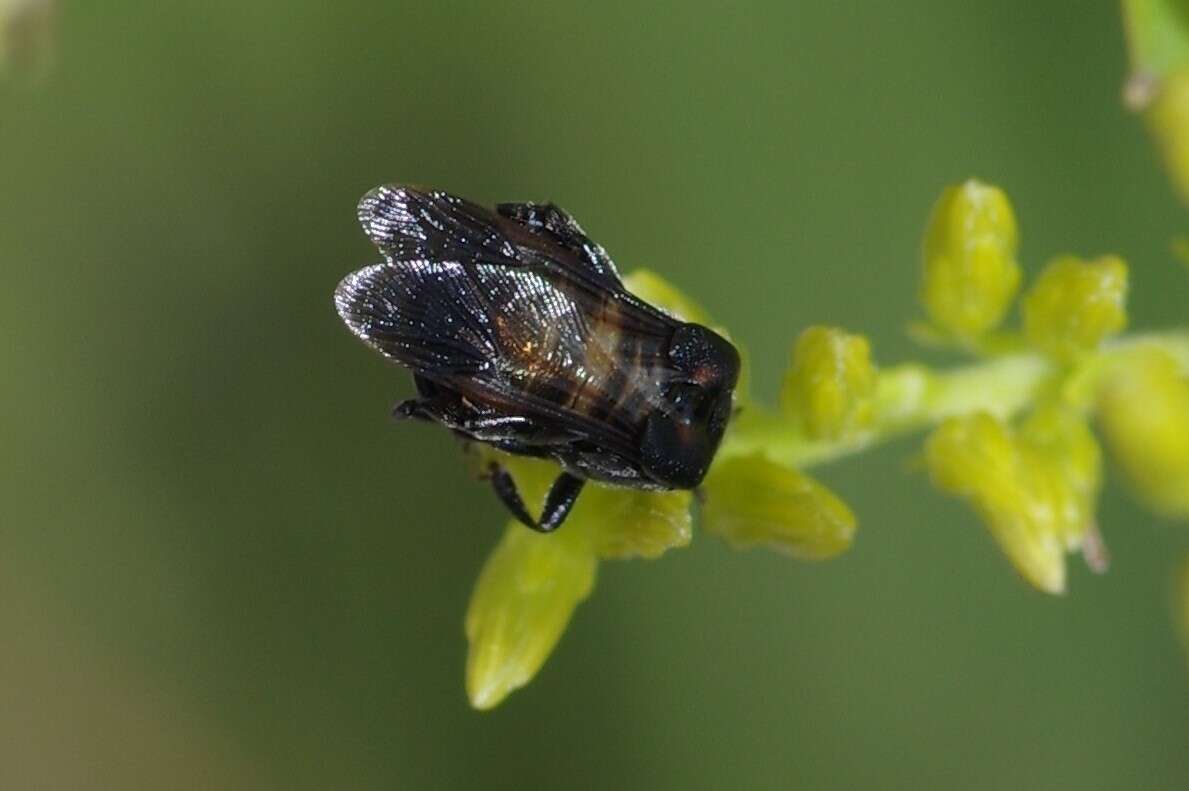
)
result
[(1034, 484), (1035, 480), (1011, 433), (1158, 88)]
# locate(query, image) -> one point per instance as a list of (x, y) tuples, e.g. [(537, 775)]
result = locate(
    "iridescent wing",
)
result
[(423, 314), (549, 220), (518, 310)]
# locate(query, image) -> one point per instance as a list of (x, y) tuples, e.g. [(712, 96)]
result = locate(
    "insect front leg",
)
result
[(559, 501), (432, 403), (415, 409), (562, 495), (505, 488)]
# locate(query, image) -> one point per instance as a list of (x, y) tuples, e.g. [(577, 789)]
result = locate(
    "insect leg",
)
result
[(505, 489), (417, 408), (559, 501), (428, 406)]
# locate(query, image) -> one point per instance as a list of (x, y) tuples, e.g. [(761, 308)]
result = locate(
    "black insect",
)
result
[(520, 335)]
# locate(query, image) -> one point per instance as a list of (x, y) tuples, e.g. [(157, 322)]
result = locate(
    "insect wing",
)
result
[(514, 311), (409, 224), (422, 314), (548, 220)]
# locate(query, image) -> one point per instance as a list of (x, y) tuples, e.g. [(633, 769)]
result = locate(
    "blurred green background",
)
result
[(222, 566)]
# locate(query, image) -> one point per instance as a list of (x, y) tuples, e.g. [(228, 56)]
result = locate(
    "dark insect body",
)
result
[(520, 335)]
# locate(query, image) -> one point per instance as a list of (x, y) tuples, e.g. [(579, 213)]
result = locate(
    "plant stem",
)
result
[(913, 397)]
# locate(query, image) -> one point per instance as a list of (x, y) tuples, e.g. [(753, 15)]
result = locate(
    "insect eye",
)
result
[(685, 402), (720, 411)]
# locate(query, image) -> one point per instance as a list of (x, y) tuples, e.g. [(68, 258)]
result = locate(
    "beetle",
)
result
[(521, 335)]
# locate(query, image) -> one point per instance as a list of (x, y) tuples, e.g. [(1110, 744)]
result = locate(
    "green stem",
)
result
[(912, 398)]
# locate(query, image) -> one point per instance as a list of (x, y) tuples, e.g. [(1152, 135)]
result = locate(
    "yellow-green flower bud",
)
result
[(1144, 411), (1061, 442), (975, 458), (970, 269), (1168, 119), (531, 583), (752, 501), (524, 598), (629, 523), (1075, 304), (830, 386), (1035, 491)]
